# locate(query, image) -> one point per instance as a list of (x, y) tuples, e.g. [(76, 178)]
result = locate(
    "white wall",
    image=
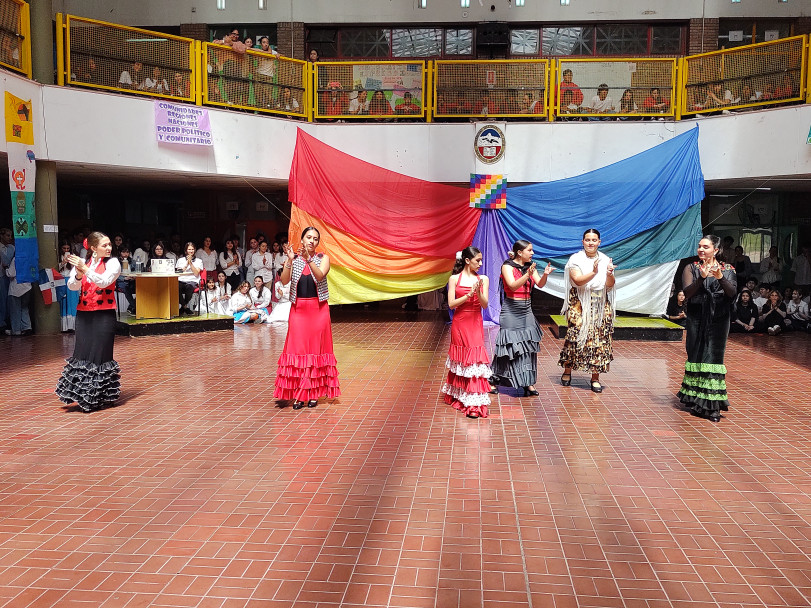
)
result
[(174, 12), (107, 129)]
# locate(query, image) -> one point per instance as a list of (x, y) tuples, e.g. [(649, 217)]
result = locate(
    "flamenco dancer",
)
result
[(91, 376), (466, 387), (307, 367), (710, 287)]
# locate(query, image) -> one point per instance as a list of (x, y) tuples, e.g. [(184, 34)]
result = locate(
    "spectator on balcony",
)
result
[(133, 79), (156, 83), (486, 106), (528, 105), (180, 86), (265, 73), (655, 103), (359, 101), (9, 50), (86, 71), (601, 103), (313, 57), (407, 107), (627, 105), (446, 103), (748, 94), (379, 105), (232, 40), (567, 85), (768, 92), (248, 42), (287, 103), (333, 101), (786, 88)]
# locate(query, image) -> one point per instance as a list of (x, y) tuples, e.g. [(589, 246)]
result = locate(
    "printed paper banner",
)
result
[(22, 173), (488, 191), (181, 124)]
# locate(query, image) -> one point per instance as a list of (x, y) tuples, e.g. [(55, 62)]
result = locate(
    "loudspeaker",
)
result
[(493, 34)]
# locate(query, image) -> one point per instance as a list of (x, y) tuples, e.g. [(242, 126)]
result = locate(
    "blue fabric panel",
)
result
[(620, 200)]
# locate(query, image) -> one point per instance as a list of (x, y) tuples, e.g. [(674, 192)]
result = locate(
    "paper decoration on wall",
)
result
[(488, 191)]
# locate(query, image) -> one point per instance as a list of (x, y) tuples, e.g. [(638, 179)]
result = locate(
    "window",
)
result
[(733, 32), (524, 42), (622, 40), (325, 41), (416, 42), (365, 42), (666, 40), (458, 42), (568, 41)]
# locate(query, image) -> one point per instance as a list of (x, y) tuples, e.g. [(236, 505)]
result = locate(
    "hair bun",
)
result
[(511, 254), (458, 256)]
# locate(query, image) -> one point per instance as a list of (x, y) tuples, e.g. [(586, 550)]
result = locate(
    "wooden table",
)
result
[(157, 295)]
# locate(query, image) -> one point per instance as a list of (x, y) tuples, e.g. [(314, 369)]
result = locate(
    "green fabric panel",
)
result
[(707, 368)]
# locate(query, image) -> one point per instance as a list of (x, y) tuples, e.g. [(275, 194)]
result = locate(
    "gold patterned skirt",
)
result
[(597, 354)]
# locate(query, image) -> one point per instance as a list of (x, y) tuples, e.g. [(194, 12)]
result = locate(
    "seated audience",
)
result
[(189, 281), (601, 103), (627, 104), (379, 105), (654, 102), (262, 264), (223, 294), (156, 83), (231, 262), (567, 85), (286, 102), (208, 255), (253, 247), (281, 307), (786, 88), (408, 106), (209, 303), (260, 297), (125, 284), (158, 253), (486, 106), (241, 306), (744, 313), (677, 309), (359, 104), (141, 254), (797, 312), (772, 314), (763, 295), (133, 78)]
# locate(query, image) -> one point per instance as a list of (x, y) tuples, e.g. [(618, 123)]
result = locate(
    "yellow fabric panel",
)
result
[(359, 254), (19, 125), (351, 286)]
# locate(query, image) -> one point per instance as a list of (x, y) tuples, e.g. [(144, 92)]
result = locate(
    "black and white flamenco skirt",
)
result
[(91, 377)]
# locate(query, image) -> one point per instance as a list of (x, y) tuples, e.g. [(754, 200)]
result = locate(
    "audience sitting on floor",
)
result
[(797, 312), (772, 314), (744, 313)]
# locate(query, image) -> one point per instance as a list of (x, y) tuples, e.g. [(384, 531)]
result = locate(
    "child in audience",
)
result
[(260, 297), (744, 313), (763, 290), (676, 309), (797, 311), (208, 300), (223, 294), (241, 306), (772, 314)]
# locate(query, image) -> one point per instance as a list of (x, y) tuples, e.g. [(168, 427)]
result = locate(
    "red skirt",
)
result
[(466, 387), (307, 366)]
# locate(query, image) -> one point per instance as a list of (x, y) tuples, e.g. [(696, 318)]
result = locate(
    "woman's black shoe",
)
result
[(297, 405), (596, 386), (530, 392), (714, 417), (312, 403), (493, 390), (566, 379)]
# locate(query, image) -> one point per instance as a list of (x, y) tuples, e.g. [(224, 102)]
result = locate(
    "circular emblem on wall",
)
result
[(490, 144)]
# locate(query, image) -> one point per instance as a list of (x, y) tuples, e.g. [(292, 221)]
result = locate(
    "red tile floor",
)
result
[(198, 491)]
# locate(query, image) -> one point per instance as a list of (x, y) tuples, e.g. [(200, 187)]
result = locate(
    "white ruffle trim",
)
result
[(466, 399), (477, 370)]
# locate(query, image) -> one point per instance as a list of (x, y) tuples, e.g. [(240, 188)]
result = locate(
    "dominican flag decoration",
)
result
[(52, 284)]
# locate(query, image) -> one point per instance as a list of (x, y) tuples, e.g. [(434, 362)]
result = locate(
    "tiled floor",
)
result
[(198, 491)]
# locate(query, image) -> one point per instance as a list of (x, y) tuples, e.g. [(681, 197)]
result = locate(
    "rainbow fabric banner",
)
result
[(387, 235), (488, 191)]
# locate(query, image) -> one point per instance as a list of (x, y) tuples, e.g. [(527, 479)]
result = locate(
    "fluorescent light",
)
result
[(519, 2), (220, 5), (736, 1), (564, 2), (422, 3), (465, 3), (263, 5)]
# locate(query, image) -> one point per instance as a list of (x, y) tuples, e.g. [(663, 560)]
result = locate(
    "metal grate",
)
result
[(615, 88), (108, 56), (11, 34), (379, 90), (745, 77), (254, 80), (491, 88)]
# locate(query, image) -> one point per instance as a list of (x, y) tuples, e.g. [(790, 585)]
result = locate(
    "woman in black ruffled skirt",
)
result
[(91, 376)]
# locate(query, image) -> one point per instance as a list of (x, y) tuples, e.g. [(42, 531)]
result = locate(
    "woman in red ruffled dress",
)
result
[(467, 388), (307, 366)]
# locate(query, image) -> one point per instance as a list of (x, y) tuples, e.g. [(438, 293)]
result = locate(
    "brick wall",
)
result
[(709, 39), (198, 31), (290, 35)]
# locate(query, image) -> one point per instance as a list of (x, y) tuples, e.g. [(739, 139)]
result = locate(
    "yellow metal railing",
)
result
[(380, 90), (615, 88), (254, 80), (491, 89), (103, 55), (118, 58), (15, 36), (755, 75)]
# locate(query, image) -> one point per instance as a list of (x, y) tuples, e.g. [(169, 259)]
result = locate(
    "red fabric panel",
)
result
[(381, 206)]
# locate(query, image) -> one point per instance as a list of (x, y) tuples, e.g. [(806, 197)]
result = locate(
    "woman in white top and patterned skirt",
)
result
[(589, 309), (91, 377), (307, 366)]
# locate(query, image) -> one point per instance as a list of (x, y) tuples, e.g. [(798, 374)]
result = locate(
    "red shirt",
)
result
[(92, 297), (524, 292)]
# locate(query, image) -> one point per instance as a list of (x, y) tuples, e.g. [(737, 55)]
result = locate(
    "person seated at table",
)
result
[(158, 253), (241, 306), (190, 267), (260, 297), (141, 254), (744, 313)]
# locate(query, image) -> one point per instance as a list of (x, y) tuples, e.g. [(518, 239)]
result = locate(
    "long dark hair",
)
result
[(468, 253), (308, 228)]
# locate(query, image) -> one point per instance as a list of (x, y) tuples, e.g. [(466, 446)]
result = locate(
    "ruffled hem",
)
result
[(702, 406), (475, 370), (468, 356), (466, 398), (307, 377), (468, 385), (474, 411), (91, 386), (511, 343)]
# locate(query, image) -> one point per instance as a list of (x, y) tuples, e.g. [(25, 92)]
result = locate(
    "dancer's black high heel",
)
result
[(530, 392)]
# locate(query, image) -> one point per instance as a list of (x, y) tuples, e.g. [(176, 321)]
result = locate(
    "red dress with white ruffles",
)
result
[(466, 387), (307, 366)]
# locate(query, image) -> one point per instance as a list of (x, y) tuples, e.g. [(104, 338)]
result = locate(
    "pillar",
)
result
[(46, 319), (42, 41)]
